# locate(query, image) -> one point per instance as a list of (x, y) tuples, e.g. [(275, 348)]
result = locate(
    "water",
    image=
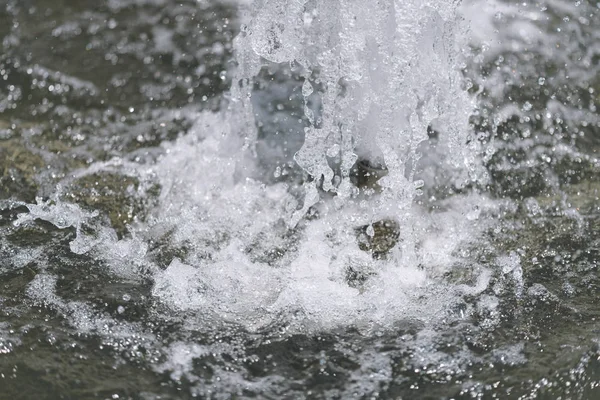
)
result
[(290, 199)]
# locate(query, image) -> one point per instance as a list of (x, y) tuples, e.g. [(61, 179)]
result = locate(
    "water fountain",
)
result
[(386, 74), (344, 221)]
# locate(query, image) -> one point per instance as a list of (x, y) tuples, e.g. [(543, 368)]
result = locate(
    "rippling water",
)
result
[(163, 236)]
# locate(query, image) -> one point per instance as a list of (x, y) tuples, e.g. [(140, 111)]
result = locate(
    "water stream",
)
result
[(299, 199)]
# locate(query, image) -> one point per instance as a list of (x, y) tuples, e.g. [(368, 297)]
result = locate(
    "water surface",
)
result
[(143, 255)]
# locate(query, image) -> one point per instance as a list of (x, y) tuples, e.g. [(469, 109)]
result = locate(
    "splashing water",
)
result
[(248, 252), (386, 73), (337, 200)]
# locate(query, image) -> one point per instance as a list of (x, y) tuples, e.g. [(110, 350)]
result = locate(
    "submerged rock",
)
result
[(113, 194), (365, 174), (379, 237), (19, 167)]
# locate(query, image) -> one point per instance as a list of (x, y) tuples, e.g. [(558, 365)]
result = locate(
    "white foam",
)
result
[(180, 358), (220, 280), (62, 215), (396, 62)]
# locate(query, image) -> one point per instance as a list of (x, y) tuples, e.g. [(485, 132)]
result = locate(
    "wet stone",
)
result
[(113, 194), (365, 174), (378, 238)]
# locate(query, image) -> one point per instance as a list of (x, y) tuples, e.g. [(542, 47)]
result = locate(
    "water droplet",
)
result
[(333, 151), (307, 88), (370, 231)]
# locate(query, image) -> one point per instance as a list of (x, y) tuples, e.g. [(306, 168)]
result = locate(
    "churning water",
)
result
[(299, 199)]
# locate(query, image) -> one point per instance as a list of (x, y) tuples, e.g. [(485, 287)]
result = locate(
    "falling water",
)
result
[(386, 74), (350, 218)]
